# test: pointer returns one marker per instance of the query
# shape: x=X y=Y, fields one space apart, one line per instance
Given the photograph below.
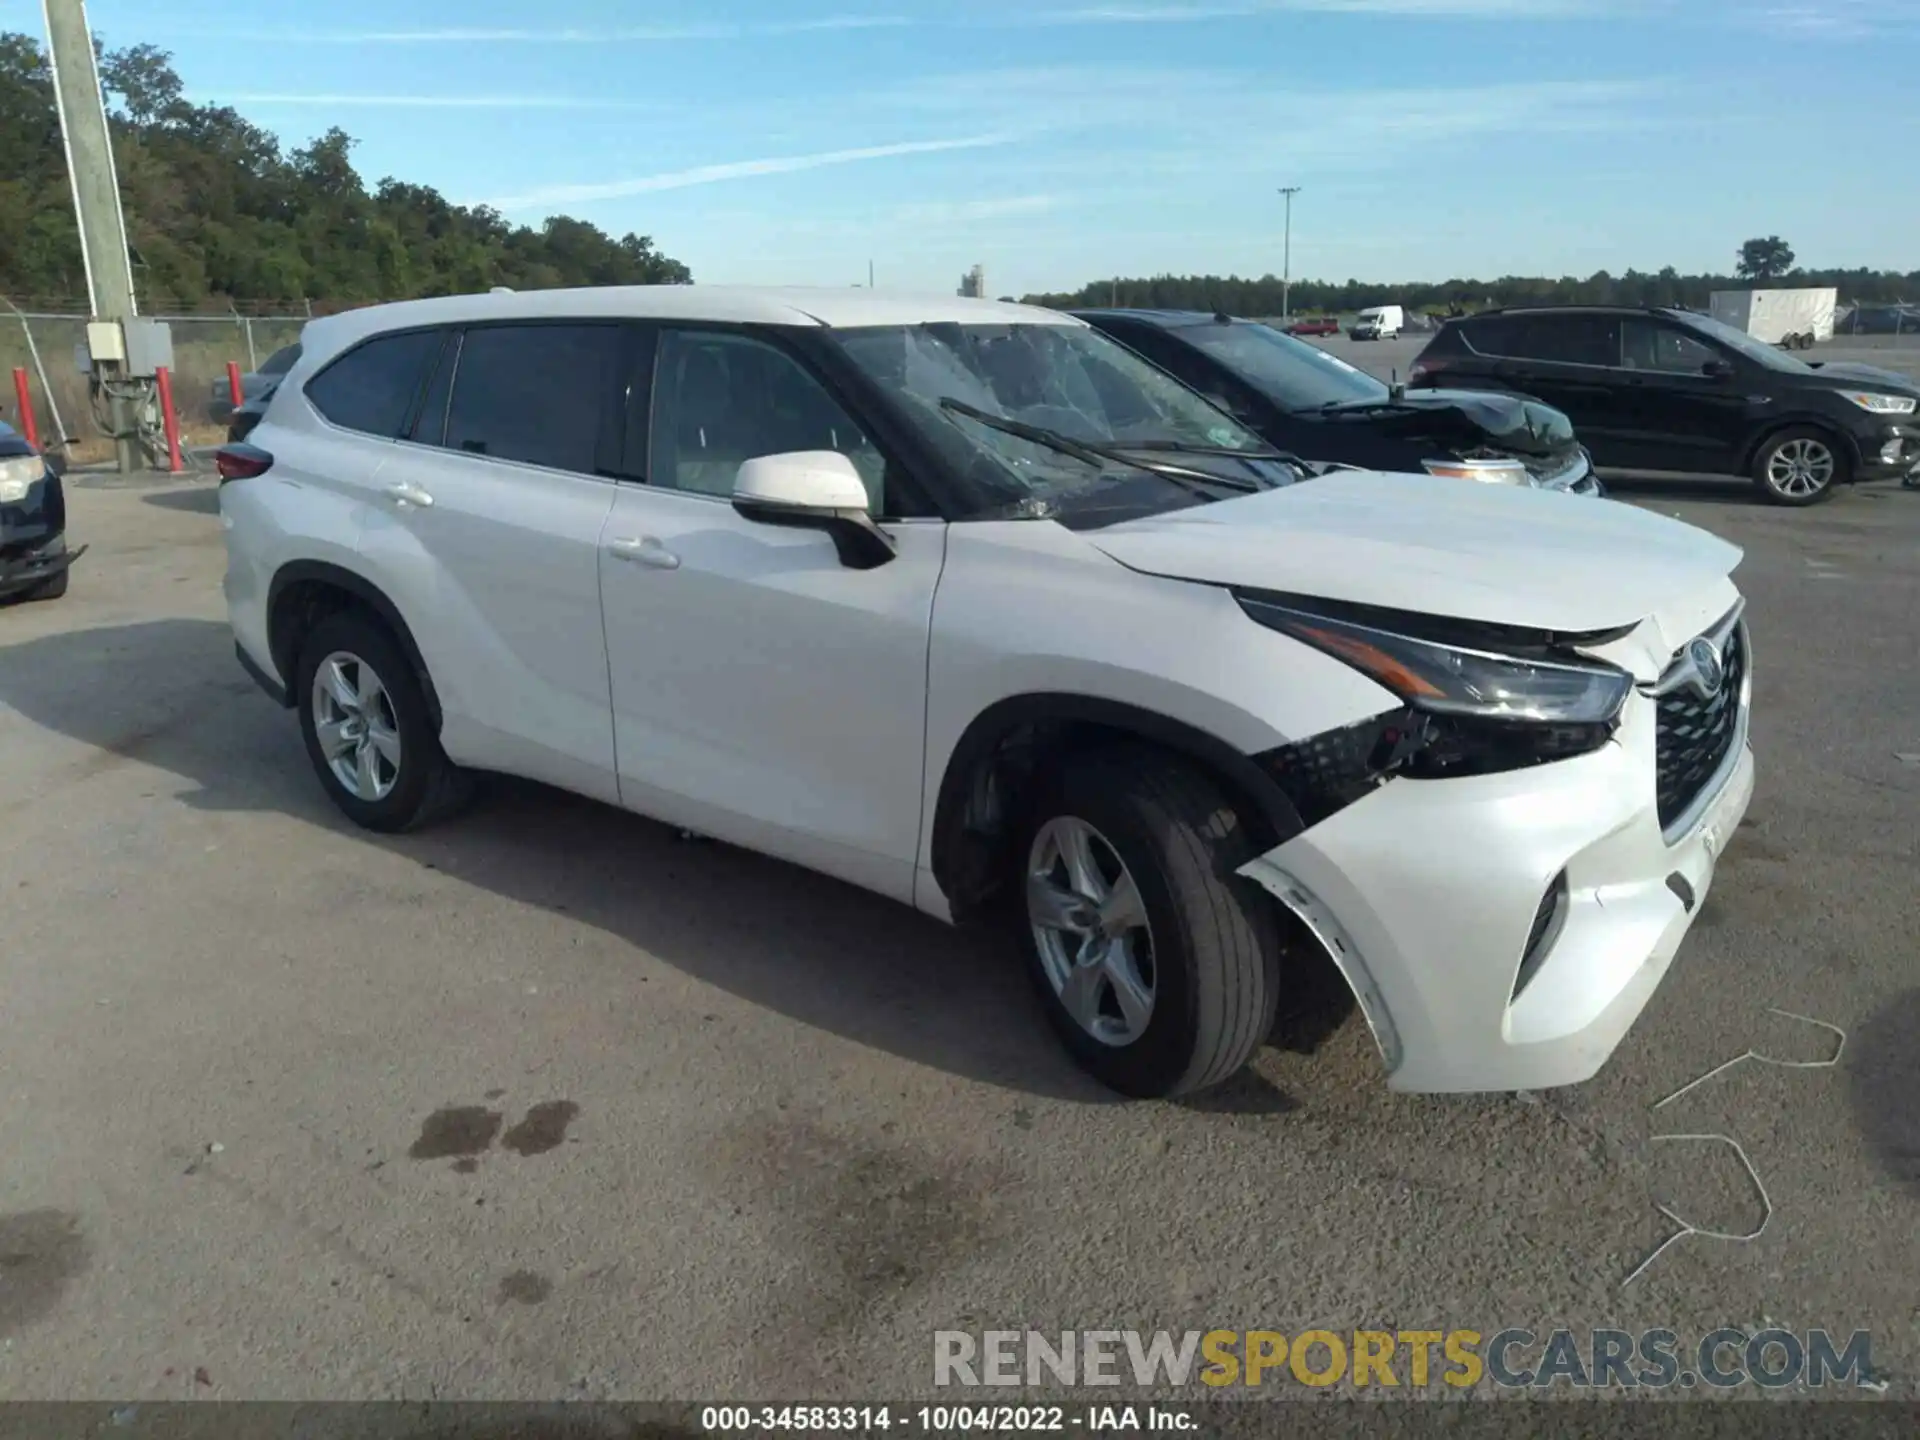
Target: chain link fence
x=48 y=341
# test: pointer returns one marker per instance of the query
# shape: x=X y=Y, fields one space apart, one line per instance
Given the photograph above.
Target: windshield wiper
x=1186 y=477
x=1184 y=447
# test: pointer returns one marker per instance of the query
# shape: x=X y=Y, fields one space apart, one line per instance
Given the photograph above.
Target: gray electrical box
x=149 y=348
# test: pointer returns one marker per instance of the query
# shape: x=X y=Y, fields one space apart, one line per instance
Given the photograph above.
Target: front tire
x=368 y=732
x=54 y=586
x=1799 y=466
x=1159 y=967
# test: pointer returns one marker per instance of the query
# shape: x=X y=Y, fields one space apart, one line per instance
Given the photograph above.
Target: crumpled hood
x=1510 y=422
x=1494 y=553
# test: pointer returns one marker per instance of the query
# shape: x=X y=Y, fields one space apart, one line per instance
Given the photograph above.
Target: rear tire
x=1799 y=466
x=1177 y=989
x=367 y=728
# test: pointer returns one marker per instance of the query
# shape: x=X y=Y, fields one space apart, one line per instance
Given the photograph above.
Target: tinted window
x=1566 y=339
x=1295 y=375
x=281 y=361
x=534 y=393
x=1646 y=345
x=372 y=387
x=724 y=399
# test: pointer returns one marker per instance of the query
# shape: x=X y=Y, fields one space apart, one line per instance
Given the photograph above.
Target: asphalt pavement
x=548 y=1103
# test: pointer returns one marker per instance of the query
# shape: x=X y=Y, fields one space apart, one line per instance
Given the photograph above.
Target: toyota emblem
x=1709 y=671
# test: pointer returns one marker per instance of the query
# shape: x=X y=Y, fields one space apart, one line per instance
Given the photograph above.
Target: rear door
x=487 y=535
x=1673 y=414
x=1567 y=361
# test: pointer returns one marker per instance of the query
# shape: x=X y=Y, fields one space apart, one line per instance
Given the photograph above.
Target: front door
x=1674 y=415
x=763 y=693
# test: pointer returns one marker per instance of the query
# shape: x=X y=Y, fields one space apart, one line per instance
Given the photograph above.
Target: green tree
x=1764 y=259
x=217 y=210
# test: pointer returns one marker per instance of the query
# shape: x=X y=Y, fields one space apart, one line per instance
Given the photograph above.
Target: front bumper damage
x=1428 y=895
x=23 y=567
x=33 y=547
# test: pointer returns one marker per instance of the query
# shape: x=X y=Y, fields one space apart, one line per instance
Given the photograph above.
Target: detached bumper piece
x=22 y=569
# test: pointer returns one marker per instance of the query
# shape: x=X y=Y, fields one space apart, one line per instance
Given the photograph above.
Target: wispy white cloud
x=736 y=170
x=571 y=35
x=1839 y=19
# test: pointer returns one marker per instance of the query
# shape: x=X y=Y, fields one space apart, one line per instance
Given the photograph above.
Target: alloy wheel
x=354 y=721
x=1800 y=467
x=1090 y=930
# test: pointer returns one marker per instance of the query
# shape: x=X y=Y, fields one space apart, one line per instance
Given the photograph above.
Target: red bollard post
x=163 y=382
x=233 y=384
x=28 y=427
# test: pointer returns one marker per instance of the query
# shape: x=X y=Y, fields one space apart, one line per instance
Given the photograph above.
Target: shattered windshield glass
x=1068 y=380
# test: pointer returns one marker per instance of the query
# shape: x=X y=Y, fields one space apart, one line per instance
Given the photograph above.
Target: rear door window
x=372 y=387
x=1560 y=339
x=538 y=394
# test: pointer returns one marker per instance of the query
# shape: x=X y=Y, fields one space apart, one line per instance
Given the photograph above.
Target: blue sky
x=1059 y=141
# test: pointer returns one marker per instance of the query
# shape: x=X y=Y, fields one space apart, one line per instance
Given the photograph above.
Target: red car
x=1320 y=325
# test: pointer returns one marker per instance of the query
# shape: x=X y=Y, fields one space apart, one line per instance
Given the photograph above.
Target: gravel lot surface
x=548 y=1103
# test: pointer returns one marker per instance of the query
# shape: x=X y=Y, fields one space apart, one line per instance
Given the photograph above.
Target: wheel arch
x=1847 y=447
x=303 y=591
x=1011 y=739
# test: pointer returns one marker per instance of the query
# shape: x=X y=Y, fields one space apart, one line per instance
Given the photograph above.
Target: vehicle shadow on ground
x=168 y=694
x=1883 y=1077
x=197 y=499
x=1702 y=489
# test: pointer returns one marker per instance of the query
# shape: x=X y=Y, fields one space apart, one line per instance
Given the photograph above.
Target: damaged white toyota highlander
x=968 y=605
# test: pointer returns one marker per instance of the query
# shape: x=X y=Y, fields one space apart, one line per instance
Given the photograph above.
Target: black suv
x=1668 y=389
x=1312 y=404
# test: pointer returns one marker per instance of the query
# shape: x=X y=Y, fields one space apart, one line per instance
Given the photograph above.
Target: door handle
x=404 y=494
x=645 y=550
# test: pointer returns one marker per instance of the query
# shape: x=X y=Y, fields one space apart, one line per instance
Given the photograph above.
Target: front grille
x=1694 y=732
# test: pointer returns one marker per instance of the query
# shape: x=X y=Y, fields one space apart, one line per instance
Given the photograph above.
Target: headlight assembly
x=19 y=474
x=1877 y=404
x=1464 y=710
x=1442 y=679
x=1485 y=471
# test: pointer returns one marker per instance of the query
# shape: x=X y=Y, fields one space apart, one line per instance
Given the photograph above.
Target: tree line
x=1249 y=296
x=217 y=210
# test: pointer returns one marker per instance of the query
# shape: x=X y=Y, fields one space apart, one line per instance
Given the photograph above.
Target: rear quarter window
x=372 y=387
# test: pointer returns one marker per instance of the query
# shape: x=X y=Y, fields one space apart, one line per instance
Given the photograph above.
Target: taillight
x=241 y=462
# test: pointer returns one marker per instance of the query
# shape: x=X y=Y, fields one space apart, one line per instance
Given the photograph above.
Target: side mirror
x=1716 y=369
x=814 y=490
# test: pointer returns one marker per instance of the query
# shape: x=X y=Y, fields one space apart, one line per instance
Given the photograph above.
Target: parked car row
x=1676 y=390
x=1303 y=400
x=973 y=606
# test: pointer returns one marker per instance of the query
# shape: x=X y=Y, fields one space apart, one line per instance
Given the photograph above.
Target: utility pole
x=1286 y=263
x=869 y=274
x=96 y=206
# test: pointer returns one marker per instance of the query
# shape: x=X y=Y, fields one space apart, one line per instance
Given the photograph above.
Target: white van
x=1378 y=322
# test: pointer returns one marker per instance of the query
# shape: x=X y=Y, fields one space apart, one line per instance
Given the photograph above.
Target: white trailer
x=1794 y=318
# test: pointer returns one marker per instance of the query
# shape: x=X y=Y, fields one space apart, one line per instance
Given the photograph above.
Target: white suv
x=966 y=604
